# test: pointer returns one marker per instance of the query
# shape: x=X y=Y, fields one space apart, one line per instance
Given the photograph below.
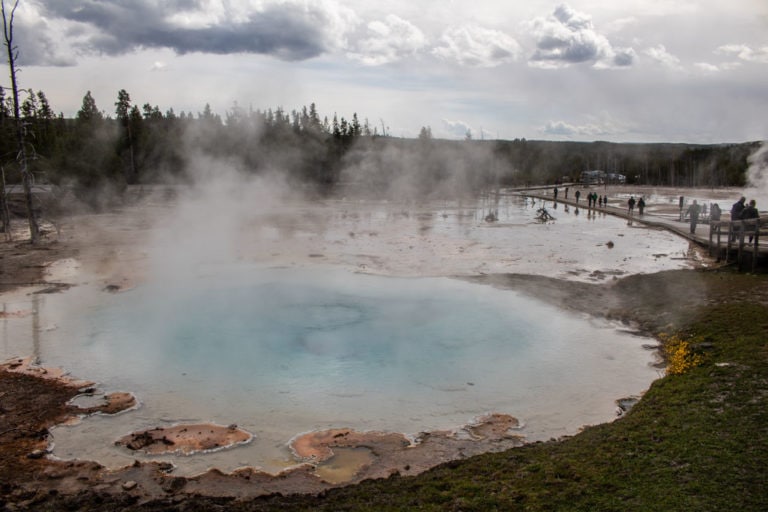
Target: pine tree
x=126 y=144
x=88 y=111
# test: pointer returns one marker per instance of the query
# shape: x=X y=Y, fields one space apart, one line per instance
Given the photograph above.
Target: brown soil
x=30 y=405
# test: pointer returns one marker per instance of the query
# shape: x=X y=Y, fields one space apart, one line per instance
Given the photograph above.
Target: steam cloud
x=757 y=174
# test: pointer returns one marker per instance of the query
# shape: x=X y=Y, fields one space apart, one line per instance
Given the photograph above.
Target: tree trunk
x=26 y=175
x=4 y=210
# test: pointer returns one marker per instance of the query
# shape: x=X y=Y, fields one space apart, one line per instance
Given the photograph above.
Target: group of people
x=743 y=211
x=631 y=205
x=593 y=200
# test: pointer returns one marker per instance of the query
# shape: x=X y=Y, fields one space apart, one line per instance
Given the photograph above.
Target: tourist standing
x=714 y=212
x=750 y=212
x=641 y=205
x=578 y=194
x=693 y=212
x=736 y=210
x=631 y=205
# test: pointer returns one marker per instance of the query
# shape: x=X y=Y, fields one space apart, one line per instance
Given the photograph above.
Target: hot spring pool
x=281 y=351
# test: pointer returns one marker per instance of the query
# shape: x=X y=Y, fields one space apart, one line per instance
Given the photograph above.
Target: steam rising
x=420 y=170
x=757 y=174
x=206 y=224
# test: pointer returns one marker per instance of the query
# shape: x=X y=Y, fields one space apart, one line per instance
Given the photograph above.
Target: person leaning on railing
x=750 y=212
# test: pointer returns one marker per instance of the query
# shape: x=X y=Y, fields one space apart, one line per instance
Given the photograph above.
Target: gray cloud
x=36 y=43
x=287 y=31
x=39 y=51
x=568 y=37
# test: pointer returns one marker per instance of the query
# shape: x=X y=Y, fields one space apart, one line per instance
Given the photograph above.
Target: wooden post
x=754 y=247
x=719 y=236
x=740 y=251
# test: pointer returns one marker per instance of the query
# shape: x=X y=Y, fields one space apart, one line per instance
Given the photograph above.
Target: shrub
x=679 y=353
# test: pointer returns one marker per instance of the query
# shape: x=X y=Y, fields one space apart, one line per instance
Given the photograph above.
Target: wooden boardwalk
x=739 y=241
x=742 y=242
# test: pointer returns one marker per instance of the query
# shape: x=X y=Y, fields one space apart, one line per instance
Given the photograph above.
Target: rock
x=625 y=404
x=129 y=485
x=37 y=454
x=175 y=484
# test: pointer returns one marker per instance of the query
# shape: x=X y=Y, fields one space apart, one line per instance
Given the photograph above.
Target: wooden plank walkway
x=741 y=242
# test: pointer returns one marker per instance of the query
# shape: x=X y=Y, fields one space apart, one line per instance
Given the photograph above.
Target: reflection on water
x=284 y=351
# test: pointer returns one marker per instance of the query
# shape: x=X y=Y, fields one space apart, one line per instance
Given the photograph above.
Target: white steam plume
x=210 y=217
x=757 y=174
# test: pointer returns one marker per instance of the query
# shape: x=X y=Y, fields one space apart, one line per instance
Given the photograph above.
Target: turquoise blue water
x=285 y=351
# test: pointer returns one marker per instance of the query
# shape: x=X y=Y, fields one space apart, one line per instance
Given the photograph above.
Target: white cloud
x=561 y=128
x=660 y=54
x=388 y=41
x=620 y=25
x=454 y=60
x=568 y=37
x=706 y=67
x=454 y=129
x=477 y=47
x=745 y=52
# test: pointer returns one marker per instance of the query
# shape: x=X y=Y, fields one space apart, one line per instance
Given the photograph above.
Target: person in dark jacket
x=736 y=210
x=693 y=212
x=715 y=213
x=750 y=212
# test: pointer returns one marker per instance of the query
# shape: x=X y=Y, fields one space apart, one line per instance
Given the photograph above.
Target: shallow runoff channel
x=346 y=315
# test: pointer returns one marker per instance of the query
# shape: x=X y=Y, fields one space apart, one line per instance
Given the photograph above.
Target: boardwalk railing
x=737 y=238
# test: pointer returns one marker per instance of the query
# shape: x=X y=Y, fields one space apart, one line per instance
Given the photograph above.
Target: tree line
x=141 y=145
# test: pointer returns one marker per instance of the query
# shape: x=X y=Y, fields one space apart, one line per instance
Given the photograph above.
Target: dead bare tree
x=26 y=175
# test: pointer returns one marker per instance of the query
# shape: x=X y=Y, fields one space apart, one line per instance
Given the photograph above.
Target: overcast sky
x=618 y=70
